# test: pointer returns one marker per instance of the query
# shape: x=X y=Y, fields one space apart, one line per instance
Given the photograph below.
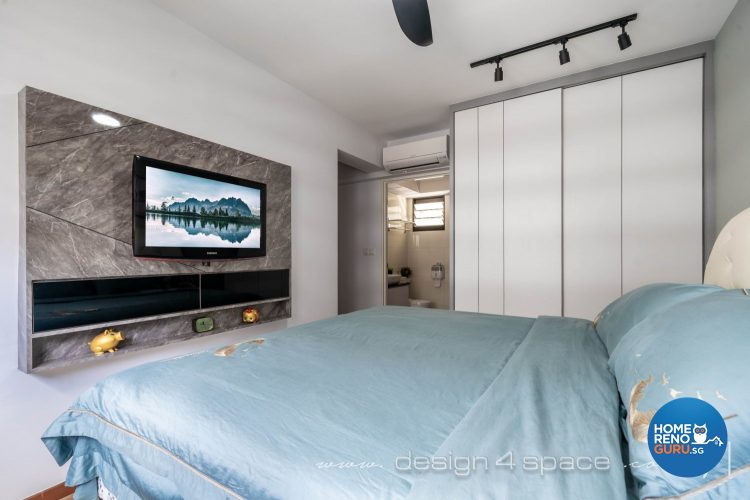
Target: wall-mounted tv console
x=149 y=310
x=78 y=272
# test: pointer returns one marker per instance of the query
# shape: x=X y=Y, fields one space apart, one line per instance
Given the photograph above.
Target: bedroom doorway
x=417 y=241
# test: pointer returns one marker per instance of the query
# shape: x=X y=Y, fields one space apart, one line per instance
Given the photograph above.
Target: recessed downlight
x=107 y=120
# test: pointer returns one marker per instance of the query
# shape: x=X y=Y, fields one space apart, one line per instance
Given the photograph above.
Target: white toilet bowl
x=420 y=303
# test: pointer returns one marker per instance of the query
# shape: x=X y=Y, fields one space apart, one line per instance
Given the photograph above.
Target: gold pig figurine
x=106 y=342
x=250 y=315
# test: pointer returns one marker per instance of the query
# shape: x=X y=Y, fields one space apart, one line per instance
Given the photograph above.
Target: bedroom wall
x=136 y=59
x=732 y=69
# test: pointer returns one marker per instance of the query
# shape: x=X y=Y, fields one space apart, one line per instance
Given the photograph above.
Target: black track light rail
x=619 y=22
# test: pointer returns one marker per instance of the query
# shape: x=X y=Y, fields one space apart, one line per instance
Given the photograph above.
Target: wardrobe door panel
x=491 y=209
x=662 y=175
x=466 y=229
x=533 y=205
x=591 y=197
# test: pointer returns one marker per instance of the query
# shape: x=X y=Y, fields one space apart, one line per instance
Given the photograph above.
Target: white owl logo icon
x=699 y=434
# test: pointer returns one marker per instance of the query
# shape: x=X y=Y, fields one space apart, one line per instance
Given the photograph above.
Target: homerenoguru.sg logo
x=687 y=437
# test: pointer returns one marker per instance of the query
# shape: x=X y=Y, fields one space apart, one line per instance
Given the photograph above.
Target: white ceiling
x=352 y=56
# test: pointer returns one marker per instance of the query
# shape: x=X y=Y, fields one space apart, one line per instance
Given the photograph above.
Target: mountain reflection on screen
x=188 y=211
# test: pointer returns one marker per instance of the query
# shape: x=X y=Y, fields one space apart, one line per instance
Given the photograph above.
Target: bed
x=414 y=403
x=326 y=410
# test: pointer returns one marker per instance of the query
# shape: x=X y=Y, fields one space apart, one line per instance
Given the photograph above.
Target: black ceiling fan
x=414 y=18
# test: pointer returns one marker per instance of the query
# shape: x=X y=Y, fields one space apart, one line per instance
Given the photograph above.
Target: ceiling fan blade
x=414 y=18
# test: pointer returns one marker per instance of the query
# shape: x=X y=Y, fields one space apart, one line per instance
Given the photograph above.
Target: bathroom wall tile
x=433 y=247
x=397 y=252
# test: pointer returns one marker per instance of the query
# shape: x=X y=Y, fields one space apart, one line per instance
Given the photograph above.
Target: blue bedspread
x=366 y=405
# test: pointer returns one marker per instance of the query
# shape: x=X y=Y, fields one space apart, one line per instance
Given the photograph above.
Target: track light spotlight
x=564 y=54
x=623 y=39
x=498 y=72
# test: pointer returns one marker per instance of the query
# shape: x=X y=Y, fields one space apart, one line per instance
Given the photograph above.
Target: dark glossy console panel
x=70 y=303
x=221 y=289
x=75 y=303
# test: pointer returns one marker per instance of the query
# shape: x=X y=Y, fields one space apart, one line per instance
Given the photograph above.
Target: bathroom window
x=429 y=214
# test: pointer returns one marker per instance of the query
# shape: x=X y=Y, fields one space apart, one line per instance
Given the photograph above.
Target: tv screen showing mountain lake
x=188 y=211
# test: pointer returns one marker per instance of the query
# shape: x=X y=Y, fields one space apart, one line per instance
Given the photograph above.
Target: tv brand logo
x=679 y=444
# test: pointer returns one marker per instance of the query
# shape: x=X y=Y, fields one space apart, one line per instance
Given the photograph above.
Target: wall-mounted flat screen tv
x=181 y=212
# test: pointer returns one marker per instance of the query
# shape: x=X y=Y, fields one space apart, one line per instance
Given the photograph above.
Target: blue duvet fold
x=547 y=425
x=330 y=409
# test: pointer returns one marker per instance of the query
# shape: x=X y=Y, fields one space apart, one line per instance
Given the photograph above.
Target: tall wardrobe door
x=591 y=197
x=662 y=158
x=491 y=209
x=533 y=205
x=466 y=229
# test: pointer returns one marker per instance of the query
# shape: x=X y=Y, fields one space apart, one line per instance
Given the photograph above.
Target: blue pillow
x=696 y=348
x=616 y=320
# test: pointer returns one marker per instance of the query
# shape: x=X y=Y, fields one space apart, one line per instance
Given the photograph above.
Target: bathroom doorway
x=417 y=240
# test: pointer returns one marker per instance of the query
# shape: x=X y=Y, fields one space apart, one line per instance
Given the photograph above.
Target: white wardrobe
x=566 y=199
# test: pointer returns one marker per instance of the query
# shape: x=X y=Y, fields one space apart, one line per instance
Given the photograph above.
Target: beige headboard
x=729 y=263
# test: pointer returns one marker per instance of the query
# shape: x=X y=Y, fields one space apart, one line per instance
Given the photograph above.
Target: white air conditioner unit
x=422 y=153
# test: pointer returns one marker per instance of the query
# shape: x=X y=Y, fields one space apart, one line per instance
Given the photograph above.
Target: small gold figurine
x=250 y=315
x=106 y=342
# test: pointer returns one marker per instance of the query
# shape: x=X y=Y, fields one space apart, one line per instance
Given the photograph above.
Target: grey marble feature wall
x=76 y=217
